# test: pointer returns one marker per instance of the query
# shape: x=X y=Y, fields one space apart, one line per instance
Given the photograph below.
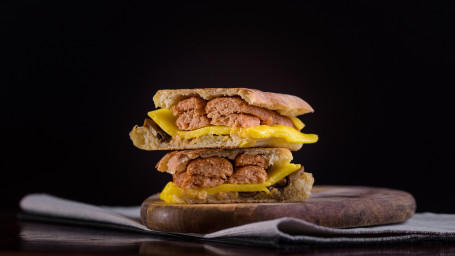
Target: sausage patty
x=204 y=173
x=196 y=104
x=210 y=167
x=194 y=113
x=191 y=114
x=249 y=174
x=184 y=180
x=246 y=159
x=222 y=107
x=213 y=171
x=236 y=120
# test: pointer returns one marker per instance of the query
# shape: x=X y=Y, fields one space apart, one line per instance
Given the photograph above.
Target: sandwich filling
x=194 y=113
x=247 y=175
x=195 y=117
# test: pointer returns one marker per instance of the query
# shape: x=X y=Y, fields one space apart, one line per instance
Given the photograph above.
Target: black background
x=78 y=76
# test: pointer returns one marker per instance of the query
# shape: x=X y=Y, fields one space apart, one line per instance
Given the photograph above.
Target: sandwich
x=244 y=175
x=223 y=118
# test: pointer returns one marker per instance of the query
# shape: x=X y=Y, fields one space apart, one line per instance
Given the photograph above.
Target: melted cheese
x=297 y=122
x=174 y=194
x=287 y=133
x=166 y=120
x=276 y=173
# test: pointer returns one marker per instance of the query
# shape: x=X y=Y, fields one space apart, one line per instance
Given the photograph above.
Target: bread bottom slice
x=145 y=139
x=296 y=191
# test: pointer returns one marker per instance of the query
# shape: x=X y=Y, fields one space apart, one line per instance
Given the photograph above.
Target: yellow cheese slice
x=166 y=120
x=278 y=131
x=276 y=173
x=297 y=122
x=174 y=194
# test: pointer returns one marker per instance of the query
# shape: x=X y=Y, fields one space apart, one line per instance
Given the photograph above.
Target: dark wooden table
x=18 y=237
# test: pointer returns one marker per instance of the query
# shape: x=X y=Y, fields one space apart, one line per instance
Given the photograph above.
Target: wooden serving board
x=330 y=206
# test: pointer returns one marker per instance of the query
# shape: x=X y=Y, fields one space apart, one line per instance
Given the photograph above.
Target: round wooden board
x=330 y=206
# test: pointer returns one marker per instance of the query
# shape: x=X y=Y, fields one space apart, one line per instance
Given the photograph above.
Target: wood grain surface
x=330 y=206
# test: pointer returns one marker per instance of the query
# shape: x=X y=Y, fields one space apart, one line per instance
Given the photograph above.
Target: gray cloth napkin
x=422 y=227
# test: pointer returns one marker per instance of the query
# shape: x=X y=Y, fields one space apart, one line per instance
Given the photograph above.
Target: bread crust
x=273 y=156
x=285 y=104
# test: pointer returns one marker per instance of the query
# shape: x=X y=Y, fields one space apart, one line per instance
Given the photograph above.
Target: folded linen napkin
x=427 y=227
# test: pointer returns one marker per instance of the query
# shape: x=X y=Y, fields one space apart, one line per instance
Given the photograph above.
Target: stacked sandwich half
x=228 y=145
